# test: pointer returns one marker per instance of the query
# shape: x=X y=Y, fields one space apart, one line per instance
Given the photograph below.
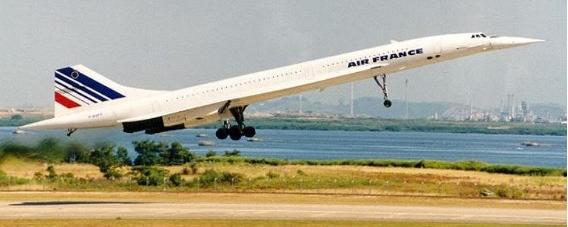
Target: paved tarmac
x=132 y=210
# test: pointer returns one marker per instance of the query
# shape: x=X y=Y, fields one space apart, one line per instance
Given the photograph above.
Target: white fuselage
x=269 y=84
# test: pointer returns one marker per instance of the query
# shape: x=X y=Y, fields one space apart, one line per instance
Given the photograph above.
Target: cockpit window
x=480 y=35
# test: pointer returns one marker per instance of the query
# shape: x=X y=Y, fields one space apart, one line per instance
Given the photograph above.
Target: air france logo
x=386 y=57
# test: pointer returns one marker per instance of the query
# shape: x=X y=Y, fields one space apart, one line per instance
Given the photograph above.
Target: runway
x=133 y=210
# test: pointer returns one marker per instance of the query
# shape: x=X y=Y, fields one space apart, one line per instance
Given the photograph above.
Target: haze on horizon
x=175 y=44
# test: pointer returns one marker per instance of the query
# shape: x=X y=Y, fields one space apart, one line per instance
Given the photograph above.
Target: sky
x=168 y=45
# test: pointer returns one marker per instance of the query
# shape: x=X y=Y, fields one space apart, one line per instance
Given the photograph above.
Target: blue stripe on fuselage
x=87 y=81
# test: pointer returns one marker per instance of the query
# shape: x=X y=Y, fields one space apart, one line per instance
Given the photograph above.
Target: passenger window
x=483 y=35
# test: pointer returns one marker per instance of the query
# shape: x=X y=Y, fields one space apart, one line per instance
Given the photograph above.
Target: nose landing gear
x=387 y=103
x=71 y=131
x=236 y=132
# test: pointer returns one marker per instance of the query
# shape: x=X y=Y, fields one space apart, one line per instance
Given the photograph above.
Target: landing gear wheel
x=383 y=87
x=235 y=132
x=249 y=131
x=222 y=133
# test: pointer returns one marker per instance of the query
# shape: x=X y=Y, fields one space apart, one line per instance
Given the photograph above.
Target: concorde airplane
x=85 y=99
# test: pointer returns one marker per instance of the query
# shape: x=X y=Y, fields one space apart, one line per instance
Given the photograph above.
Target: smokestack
x=406 y=98
x=352 y=113
x=514 y=106
x=509 y=106
x=470 y=110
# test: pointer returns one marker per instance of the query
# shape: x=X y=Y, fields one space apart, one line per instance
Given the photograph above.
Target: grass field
x=261 y=183
x=252 y=223
x=342 y=180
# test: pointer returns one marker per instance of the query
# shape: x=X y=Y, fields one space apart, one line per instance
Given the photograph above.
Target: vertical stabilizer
x=78 y=88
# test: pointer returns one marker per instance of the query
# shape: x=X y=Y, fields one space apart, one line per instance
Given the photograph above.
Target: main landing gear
x=383 y=87
x=235 y=131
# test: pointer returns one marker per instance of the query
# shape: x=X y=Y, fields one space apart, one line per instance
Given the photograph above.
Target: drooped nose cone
x=502 y=42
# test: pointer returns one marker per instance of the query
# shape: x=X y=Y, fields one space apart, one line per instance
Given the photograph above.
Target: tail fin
x=79 y=88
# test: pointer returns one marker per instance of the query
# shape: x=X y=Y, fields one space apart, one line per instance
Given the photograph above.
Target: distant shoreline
x=396 y=125
x=375 y=124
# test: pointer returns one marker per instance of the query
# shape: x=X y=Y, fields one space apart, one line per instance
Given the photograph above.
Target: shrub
x=235 y=152
x=393 y=128
x=210 y=154
x=67 y=175
x=185 y=171
x=210 y=178
x=231 y=178
x=6 y=180
x=52 y=175
x=176 y=179
x=150 y=176
x=112 y=174
x=469 y=165
x=272 y=175
x=506 y=192
x=193 y=166
x=16 y=117
x=272 y=162
x=38 y=176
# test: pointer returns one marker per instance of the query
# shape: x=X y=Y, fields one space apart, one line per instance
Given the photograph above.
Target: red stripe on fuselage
x=65 y=101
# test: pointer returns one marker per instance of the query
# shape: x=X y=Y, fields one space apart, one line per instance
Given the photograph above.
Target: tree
x=50 y=149
x=123 y=158
x=149 y=152
x=77 y=152
x=177 y=155
x=104 y=158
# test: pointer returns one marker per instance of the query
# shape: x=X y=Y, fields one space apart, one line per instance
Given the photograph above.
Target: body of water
x=325 y=145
